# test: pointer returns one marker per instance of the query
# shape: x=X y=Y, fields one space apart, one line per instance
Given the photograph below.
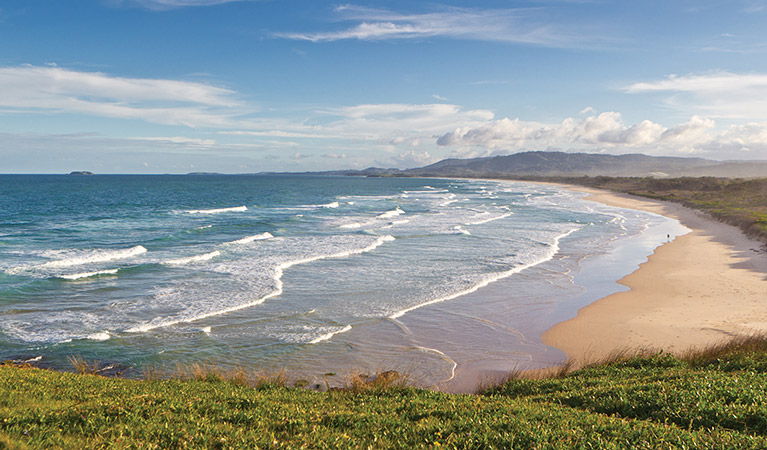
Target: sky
x=244 y=86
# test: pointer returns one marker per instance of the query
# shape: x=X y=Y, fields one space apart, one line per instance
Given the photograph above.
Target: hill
x=578 y=164
x=713 y=399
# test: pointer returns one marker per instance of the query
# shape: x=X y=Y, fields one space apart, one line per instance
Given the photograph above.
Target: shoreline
x=700 y=289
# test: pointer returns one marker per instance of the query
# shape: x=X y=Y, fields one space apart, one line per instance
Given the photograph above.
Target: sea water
x=311 y=274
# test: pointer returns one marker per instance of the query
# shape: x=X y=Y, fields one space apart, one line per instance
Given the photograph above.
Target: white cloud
x=161 y=5
x=180 y=140
x=439 y=97
x=170 y=102
x=720 y=94
x=414 y=159
x=299 y=156
x=335 y=156
x=608 y=132
x=520 y=26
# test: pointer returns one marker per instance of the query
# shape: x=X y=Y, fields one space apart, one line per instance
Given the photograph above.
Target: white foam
x=330 y=205
x=490 y=219
x=218 y=210
x=278 y=273
x=102 y=336
x=95 y=256
x=255 y=237
x=77 y=276
x=329 y=335
x=389 y=214
x=192 y=259
x=205 y=330
x=444 y=357
x=460 y=230
x=553 y=250
x=351 y=225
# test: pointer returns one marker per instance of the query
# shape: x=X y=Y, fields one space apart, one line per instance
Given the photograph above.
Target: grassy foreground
x=710 y=400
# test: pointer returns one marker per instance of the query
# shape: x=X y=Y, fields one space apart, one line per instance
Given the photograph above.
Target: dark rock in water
x=81 y=172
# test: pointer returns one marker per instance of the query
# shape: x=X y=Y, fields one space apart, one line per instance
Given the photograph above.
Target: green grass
x=713 y=399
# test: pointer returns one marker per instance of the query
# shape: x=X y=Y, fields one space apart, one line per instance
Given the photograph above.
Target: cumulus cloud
x=520 y=26
x=720 y=94
x=171 y=102
x=414 y=159
x=299 y=156
x=607 y=131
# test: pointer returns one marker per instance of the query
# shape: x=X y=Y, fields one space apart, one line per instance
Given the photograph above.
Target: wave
x=77 y=276
x=460 y=230
x=249 y=239
x=389 y=214
x=95 y=256
x=101 y=336
x=351 y=225
x=327 y=336
x=490 y=219
x=278 y=273
x=217 y=210
x=330 y=205
x=191 y=259
x=553 y=250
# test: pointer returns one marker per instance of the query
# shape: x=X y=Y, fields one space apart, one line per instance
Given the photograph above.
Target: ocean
x=313 y=275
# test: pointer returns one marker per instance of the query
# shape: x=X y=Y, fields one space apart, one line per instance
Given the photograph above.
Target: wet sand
x=700 y=289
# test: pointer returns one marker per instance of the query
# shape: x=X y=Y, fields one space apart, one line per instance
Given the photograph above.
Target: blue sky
x=233 y=86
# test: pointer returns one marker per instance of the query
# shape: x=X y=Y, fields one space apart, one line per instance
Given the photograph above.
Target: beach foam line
x=553 y=250
x=217 y=210
x=279 y=272
x=96 y=256
x=77 y=276
x=192 y=259
x=480 y=222
x=328 y=336
x=249 y=239
x=443 y=356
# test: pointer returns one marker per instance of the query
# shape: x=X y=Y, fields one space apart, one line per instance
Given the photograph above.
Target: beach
x=700 y=289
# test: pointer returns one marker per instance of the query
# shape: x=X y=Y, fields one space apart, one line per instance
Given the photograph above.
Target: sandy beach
x=702 y=288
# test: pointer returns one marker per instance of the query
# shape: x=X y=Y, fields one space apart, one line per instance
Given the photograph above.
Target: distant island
x=81 y=172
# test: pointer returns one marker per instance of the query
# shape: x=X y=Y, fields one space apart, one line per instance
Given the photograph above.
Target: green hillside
x=715 y=400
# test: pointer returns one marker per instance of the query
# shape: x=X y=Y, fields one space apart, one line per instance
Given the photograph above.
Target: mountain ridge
x=545 y=163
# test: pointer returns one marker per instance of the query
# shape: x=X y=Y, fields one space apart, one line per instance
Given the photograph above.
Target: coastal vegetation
x=709 y=399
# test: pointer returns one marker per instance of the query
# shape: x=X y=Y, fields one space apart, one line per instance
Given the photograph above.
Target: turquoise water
x=307 y=273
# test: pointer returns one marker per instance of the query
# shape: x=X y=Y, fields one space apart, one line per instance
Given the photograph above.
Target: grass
x=709 y=399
